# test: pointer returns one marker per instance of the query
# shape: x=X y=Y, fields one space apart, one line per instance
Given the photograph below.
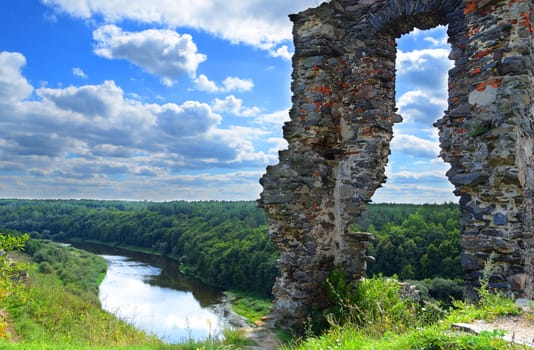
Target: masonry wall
x=341 y=126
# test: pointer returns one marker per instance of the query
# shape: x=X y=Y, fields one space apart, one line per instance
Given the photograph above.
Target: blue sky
x=185 y=99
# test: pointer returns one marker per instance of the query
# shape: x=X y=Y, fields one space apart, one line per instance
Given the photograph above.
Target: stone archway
x=341 y=126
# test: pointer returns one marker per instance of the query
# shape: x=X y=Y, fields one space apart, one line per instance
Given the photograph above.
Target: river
x=149 y=292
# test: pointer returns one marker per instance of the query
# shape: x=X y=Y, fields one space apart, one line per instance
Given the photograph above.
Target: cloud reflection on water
x=172 y=315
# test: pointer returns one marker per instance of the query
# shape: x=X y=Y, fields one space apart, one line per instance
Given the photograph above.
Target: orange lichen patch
x=475 y=71
x=366 y=131
x=462 y=131
x=455 y=101
x=324 y=90
x=470 y=6
x=320 y=104
x=342 y=61
x=371 y=71
x=482 y=53
x=352 y=153
x=526 y=22
x=482 y=86
x=456 y=152
x=473 y=31
x=345 y=85
x=511 y=2
x=494 y=83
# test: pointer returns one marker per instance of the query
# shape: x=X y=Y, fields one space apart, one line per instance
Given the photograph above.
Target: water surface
x=150 y=293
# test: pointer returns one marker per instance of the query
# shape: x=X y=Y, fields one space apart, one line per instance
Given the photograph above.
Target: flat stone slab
x=518 y=329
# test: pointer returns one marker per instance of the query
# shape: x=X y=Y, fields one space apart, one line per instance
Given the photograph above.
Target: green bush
x=11 y=273
x=46 y=268
x=445 y=290
x=375 y=304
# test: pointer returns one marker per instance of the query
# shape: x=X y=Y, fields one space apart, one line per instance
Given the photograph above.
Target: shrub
x=375 y=304
x=445 y=290
x=46 y=268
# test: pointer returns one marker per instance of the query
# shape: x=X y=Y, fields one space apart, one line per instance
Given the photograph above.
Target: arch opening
x=415 y=173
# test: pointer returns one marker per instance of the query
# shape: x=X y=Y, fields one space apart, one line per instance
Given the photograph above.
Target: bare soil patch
x=518 y=329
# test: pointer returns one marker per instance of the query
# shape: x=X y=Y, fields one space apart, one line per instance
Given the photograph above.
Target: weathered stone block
x=500 y=219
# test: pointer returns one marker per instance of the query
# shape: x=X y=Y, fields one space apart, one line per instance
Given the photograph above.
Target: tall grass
x=251 y=306
x=50 y=313
x=375 y=316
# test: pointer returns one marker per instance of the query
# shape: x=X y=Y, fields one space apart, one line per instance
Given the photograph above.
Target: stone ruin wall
x=341 y=127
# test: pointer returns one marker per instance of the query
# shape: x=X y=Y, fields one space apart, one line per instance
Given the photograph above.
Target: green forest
x=226 y=244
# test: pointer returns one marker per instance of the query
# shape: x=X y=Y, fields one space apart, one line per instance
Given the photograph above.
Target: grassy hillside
x=56 y=306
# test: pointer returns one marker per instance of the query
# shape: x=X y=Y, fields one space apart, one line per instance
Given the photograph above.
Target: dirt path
x=264 y=338
x=518 y=329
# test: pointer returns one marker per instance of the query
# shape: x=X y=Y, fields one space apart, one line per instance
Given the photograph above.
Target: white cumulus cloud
x=163 y=53
x=13 y=86
x=277 y=118
x=203 y=83
x=261 y=23
x=237 y=84
x=426 y=69
x=78 y=72
x=415 y=146
x=282 y=51
x=234 y=105
x=190 y=119
x=424 y=107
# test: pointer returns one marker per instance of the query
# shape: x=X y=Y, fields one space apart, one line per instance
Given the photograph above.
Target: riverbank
x=47 y=311
x=57 y=304
x=243 y=309
x=131 y=248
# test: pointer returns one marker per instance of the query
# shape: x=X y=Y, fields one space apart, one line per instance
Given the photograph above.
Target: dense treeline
x=225 y=243
x=414 y=241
